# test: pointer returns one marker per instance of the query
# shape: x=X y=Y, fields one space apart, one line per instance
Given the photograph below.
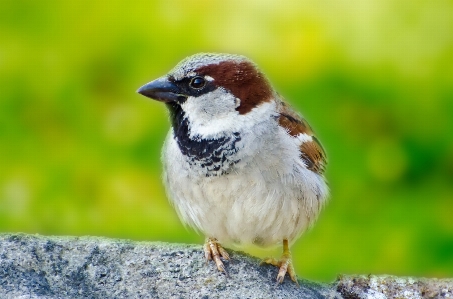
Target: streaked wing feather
x=311 y=152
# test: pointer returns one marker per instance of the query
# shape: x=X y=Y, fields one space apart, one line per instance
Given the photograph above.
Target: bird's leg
x=213 y=251
x=285 y=264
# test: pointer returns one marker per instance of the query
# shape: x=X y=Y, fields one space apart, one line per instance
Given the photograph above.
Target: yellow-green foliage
x=79 y=149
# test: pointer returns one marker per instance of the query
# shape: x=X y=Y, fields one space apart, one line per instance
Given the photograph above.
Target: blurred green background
x=80 y=150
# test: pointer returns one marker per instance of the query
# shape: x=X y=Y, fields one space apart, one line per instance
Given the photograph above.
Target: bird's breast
x=261 y=199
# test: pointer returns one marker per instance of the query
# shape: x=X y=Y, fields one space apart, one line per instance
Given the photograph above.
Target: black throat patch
x=214 y=156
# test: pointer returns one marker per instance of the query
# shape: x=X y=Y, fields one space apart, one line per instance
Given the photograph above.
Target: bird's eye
x=197 y=82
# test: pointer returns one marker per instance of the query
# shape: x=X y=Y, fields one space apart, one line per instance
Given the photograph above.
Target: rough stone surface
x=382 y=287
x=68 y=267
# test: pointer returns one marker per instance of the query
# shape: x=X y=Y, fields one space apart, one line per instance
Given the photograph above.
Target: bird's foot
x=213 y=251
x=285 y=264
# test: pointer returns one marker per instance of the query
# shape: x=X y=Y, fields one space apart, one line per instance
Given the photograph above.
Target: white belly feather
x=267 y=197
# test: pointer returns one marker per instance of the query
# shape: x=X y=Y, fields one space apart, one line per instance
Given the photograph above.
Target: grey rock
x=34 y=266
x=387 y=286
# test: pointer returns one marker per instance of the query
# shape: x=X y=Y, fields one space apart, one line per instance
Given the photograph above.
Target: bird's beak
x=162 y=90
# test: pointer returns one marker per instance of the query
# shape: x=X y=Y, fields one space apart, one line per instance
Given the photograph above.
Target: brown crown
x=243 y=80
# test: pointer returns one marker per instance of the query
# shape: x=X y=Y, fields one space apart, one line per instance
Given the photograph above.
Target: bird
x=240 y=165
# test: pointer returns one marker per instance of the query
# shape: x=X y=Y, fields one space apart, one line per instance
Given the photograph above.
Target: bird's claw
x=285 y=265
x=214 y=251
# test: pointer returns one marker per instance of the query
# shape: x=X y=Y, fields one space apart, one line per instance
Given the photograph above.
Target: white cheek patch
x=212 y=114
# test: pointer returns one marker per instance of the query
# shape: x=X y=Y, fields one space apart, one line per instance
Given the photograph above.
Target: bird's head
x=212 y=90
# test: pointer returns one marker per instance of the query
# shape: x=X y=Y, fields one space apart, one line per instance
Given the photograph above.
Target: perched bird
x=240 y=166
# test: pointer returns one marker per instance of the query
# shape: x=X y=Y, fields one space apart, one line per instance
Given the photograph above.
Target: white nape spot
x=304 y=138
x=209 y=78
x=238 y=102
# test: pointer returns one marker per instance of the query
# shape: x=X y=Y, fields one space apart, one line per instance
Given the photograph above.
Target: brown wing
x=311 y=152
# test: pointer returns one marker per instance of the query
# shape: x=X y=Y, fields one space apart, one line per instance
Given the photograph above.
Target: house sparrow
x=240 y=166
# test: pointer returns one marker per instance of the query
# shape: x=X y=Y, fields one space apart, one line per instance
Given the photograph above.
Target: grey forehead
x=191 y=63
